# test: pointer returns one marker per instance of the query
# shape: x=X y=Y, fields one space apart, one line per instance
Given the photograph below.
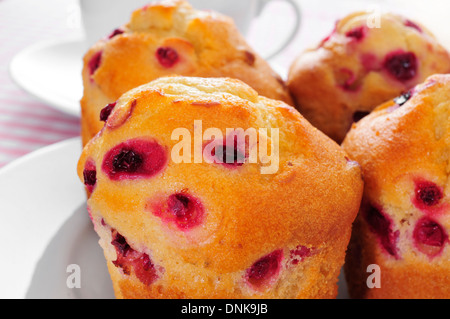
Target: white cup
x=100 y=17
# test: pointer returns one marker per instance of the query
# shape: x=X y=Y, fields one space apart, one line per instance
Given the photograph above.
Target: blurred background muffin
x=165 y=38
x=361 y=65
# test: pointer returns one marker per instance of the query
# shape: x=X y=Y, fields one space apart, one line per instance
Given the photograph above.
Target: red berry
x=106 y=111
x=299 y=253
x=133 y=159
x=413 y=25
x=182 y=209
x=128 y=259
x=115 y=33
x=381 y=225
x=229 y=153
x=357 y=33
x=167 y=56
x=94 y=62
x=90 y=175
x=122 y=250
x=427 y=194
x=401 y=65
x=429 y=236
x=127 y=161
x=144 y=269
x=265 y=269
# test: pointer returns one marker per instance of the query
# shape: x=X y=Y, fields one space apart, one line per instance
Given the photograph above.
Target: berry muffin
x=175 y=225
x=360 y=66
x=404 y=221
x=169 y=38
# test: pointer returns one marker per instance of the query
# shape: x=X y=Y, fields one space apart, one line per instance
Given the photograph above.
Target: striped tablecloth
x=27 y=124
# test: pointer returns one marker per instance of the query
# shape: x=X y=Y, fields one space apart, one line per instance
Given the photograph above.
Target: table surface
x=27 y=124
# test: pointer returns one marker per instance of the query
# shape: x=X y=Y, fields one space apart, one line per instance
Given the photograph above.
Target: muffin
x=173 y=225
x=360 y=66
x=169 y=38
x=404 y=221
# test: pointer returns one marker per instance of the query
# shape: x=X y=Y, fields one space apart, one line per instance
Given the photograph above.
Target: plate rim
x=12 y=72
x=20 y=288
x=38 y=152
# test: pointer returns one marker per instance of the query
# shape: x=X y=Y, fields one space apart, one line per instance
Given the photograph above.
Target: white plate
x=45 y=228
x=51 y=72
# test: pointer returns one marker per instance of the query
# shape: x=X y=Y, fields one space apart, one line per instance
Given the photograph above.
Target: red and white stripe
x=25 y=123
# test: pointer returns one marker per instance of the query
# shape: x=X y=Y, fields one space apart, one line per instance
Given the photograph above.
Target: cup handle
x=294 y=5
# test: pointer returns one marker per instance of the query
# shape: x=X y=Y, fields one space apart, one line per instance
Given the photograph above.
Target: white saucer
x=45 y=228
x=51 y=72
